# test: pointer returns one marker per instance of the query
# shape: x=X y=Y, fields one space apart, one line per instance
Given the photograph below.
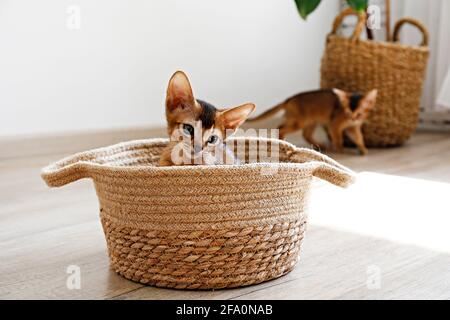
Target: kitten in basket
x=341 y=113
x=197 y=129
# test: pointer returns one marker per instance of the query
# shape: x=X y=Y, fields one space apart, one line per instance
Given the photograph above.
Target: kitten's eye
x=188 y=129
x=213 y=139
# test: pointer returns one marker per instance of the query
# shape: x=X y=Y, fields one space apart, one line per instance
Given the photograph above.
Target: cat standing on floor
x=339 y=111
x=198 y=130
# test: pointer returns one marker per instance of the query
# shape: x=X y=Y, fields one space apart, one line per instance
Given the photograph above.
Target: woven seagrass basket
x=396 y=70
x=200 y=227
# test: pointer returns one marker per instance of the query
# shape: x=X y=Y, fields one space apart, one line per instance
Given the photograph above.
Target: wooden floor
x=385 y=237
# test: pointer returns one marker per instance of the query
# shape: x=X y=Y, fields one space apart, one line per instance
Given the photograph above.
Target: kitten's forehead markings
x=208 y=114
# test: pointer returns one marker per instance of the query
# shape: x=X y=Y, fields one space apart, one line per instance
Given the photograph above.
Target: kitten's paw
x=363 y=152
x=164 y=163
x=321 y=147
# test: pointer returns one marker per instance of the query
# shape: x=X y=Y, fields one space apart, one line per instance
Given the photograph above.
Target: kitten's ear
x=372 y=96
x=370 y=99
x=179 y=93
x=343 y=98
x=341 y=94
x=234 y=117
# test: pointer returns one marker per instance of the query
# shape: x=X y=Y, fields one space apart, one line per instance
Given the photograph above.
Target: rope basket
x=396 y=70
x=201 y=227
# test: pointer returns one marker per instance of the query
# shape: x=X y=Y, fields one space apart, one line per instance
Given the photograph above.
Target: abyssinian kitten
x=338 y=111
x=197 y=129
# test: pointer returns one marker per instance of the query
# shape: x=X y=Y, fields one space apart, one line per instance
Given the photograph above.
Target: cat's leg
x=308 y=135
x=336 y=133
x=355 y=134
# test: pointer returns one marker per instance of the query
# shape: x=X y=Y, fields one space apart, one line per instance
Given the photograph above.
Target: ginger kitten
x=338 y=111
x=197 y=129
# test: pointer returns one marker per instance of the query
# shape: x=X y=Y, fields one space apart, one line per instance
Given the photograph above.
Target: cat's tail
x=269 y=113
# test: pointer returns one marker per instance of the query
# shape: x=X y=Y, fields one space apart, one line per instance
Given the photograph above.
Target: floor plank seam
x=125 y=293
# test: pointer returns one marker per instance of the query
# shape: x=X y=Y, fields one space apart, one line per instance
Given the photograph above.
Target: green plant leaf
x=305 y=7
x=358 y=5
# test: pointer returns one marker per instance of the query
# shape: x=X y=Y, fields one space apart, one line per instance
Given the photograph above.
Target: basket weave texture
x=396 y=70
x=200 y=227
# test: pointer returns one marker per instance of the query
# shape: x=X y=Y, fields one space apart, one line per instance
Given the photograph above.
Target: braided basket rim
x=378 y=43
x=49 y=172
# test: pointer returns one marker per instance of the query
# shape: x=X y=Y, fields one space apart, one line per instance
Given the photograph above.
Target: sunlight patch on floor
x=403 y=210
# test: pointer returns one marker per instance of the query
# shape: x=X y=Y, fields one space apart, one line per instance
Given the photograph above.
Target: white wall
x=113 y=71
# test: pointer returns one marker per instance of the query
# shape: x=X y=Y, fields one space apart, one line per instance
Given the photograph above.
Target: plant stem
x=388 y=19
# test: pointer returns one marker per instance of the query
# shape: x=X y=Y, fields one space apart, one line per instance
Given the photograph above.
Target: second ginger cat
x=338 y=111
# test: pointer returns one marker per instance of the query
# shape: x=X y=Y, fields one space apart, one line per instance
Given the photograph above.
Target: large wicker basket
x=396 y=70
x=200 y=227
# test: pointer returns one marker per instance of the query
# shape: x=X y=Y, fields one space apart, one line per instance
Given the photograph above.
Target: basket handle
x=324 y=167
x=67 y=170
x=419 y=25
x=360 y=26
